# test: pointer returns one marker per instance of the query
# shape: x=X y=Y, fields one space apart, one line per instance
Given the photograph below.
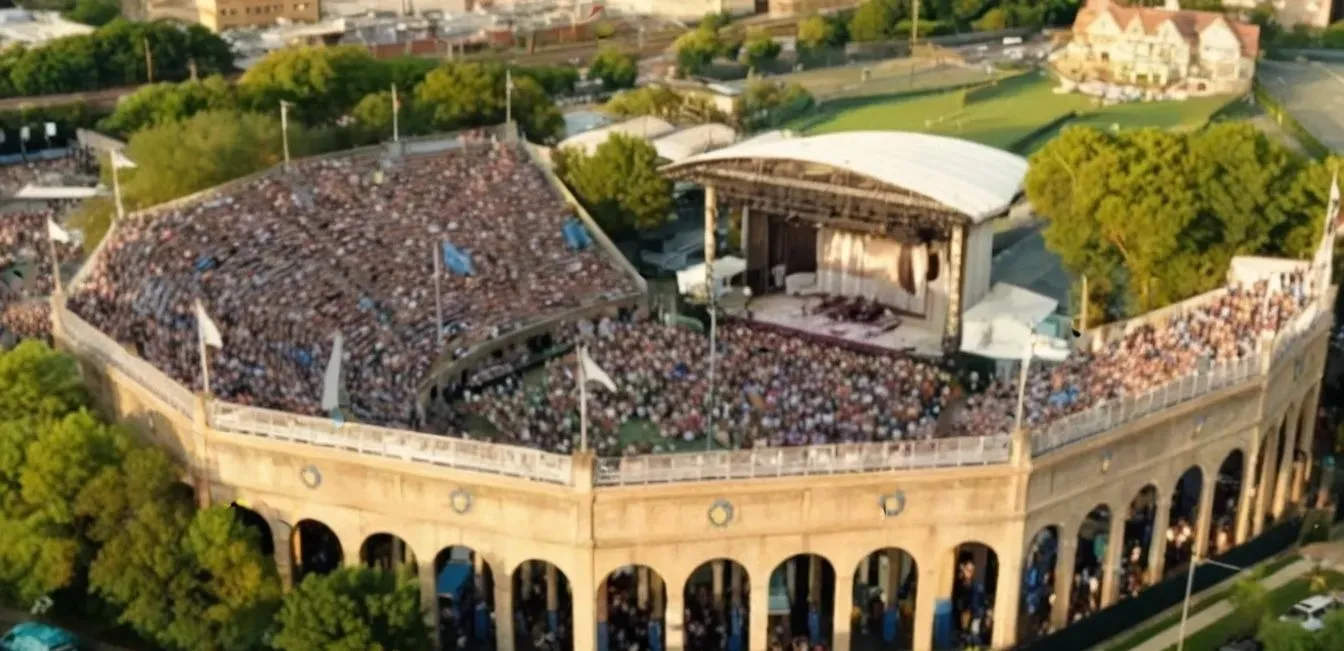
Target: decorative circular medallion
x=460 y=501
x=721 y=513
x=892 y=504
x=311 y=476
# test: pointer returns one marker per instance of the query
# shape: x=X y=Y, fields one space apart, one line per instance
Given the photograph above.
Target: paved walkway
x=1205 y=618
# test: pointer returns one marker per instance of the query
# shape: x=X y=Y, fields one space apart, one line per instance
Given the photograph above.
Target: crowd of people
x=25 y=273
x=78 y=162
x=345 y=245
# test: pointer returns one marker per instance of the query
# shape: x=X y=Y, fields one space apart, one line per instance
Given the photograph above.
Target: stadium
x=865 y=471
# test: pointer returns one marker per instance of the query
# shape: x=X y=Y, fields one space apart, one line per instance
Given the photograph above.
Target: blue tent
x=35 y=636
x=576 y=236
x=452 y=578
x=457 y=261
x=942 y=624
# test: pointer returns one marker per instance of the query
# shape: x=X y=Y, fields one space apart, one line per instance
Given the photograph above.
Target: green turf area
x=1198 y=603
x=1019 y=106
x=1280 y=600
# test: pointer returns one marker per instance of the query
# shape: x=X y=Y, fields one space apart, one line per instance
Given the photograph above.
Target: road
x=1313 y=93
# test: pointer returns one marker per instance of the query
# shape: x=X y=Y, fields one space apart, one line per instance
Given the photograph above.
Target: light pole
x=1189 y=586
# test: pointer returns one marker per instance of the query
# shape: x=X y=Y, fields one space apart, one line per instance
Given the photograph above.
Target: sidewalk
x=1205 y=618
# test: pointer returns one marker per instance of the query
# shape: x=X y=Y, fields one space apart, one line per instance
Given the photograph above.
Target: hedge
x=1018 y=145
x=987 y=89
x=1315 y=147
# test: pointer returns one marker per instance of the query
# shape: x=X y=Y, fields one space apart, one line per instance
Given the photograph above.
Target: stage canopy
x=42 y=193
x=1004 y=322
x=692 y=279
x=864 y=180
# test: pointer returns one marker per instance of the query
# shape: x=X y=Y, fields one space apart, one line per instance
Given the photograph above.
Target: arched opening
x=1182 y=521
x=253 y=520
x=885 y=584
x=718 y=615
x=316 y=549
x=388 y=553
x=1271 y=482
x=1226 y=494
x=632 y=606
x=802 y=601
x=1089 y=562
x=542 y=608
x=1132 y=577
x=183 y=491
x=1302 y=470
x=466 y=599
x=966 y=621
x=1038 y=585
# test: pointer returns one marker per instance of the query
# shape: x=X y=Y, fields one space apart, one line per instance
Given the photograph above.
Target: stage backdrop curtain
x=852 y=264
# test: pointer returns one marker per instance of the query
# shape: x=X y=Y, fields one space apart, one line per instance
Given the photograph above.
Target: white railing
x=1299 y=329
x=796 y=461
x=1109 y=415
x=90 y=342
x=445 y=451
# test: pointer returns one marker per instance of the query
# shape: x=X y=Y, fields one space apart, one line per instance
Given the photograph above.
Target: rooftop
x=23 y=27
x=1190 y=24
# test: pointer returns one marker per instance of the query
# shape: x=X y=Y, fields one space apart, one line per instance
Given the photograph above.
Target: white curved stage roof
x=974 y=179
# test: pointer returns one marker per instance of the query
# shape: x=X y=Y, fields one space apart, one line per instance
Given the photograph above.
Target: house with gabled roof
x=1200 y=52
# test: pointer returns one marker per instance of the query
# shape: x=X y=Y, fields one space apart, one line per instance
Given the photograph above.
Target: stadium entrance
x=839 y=243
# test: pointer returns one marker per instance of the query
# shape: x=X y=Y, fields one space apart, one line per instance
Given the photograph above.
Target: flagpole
x=55 y=262
x=583 y=404
x=438 y=298
x=205 y=359
x=284 y=129
x=116 y=187
x=396 y=109
x=1022 y=384
x=508 y=96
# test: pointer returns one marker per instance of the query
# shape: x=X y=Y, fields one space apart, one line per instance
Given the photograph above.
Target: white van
x=1310 y=611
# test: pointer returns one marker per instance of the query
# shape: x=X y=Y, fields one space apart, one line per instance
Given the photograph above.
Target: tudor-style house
x=1199 y=52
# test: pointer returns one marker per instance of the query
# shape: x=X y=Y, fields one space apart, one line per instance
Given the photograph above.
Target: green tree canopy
x=874 y=20
x=464 y=95
x=322 y=83
x=663 y=102
x=157 y=104
x=373 y=117
x=618 y=184
x=760 y=49
x=1224 y=191
x=615 y=68
x=352 y=609
x=816 y=32
x=695 y=50
x=94 y=12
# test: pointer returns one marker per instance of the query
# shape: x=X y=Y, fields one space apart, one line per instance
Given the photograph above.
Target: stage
x=781 y=311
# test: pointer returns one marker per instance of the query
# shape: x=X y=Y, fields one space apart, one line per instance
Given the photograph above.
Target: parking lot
x=1313 y=93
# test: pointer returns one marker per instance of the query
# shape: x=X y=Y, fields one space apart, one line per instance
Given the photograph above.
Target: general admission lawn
x=1003 y=117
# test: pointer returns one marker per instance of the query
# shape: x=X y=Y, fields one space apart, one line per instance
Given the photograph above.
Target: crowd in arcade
x=25 y=272
x=350 y=246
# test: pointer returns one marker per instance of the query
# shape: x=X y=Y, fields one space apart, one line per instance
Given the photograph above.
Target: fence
x=1112 y=414
x=802 y=461
x=89 y=342
x=445 y=451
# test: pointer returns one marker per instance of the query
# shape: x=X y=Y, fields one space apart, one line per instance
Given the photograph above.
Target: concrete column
x=1007 y=597
x=1204 y=516
x=286 y=555
x=735 y=583
x=931 y=588
x=552 y=592
x=1115 y=546
x=398 y=553
x=893 y=576
x=1246 y=500
x=840 y=619
x=758 y=619
x=525 y=578
x=716 y=570
x=478 y=571
x=883 y=576
x=864 y=571
x=1306 y=441
x=658 y=595
x=1157 y=549
x=1064 y=568
x=674 y=615
x=600 y=616
x=791 y=578
x=1267 y=480
x=642 y=586
x=814 y=579
x=429 y=599
x=504 y=614
x=1285 y=472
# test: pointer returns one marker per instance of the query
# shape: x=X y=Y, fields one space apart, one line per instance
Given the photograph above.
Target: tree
x=769 y=103
x=995 y=19
x=465 y=95
x=157 y=104
x=615 y=68
x=352 y=609
x=37 y=382
x=873 y=21
x=555 y=80
x=1227 y=190
x=695 y=50
x=1288 y=636
x=94 y=12
x=760 y=49
x=816 y=32
x=373 y=117
x=1249 y=598
x=322 y=83
x=618 y=184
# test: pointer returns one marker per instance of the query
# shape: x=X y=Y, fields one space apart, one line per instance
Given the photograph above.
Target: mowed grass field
x=1011 y=112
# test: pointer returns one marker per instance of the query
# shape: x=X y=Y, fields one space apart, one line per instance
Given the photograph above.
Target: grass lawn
x=1020 y=106
x=1280 y=601
x=1199 y=603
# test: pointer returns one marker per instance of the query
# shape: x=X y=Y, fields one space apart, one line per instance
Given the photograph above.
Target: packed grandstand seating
x=25 y=272
x=346 y=244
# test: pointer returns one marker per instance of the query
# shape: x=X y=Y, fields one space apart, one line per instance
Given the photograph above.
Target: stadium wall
x=371 y=481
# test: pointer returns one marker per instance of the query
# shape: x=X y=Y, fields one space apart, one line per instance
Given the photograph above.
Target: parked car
x=1310 y=611
x=35 y=636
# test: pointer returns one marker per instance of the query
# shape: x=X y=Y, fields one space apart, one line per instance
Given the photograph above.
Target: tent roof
x=39 y=193
x=974 y=179
x=690 y=278
x=645 y=127
x=997 y=326
x=680 y=145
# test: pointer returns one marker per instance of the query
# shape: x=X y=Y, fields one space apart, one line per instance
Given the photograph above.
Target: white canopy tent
x=39 y=193
x=1003 y=324
x=691 y=280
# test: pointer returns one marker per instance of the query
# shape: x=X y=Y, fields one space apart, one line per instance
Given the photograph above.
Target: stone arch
x=465 y=587
x=316 y=549
x=543 y=606
x=886 y=587
x=802 y=591
x=389 y=552
x=1140 y=519
x=1182 y=520
x=626 y=597
x=1039 y=565
x=718 y=610
x=964 y=621
x=1091 y=547
x=1226 y=502
x=254 y=521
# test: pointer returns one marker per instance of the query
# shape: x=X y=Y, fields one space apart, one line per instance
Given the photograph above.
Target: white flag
x=121 y=162
x=57 y=233
x=331 y=380
x=592 y=372
x=209 y=331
